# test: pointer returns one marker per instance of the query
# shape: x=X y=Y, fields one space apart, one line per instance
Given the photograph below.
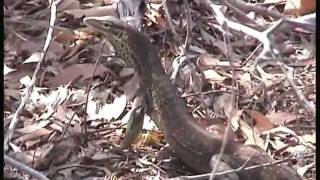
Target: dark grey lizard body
x=193 y=144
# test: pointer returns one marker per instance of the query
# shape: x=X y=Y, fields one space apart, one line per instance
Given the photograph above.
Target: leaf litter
x=269 y=114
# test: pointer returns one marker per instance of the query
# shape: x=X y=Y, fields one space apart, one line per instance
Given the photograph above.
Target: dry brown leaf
x=300 y=7
x=308 y=138
x=84 y=34
x=148 y=124
x=77 y=97
x=33 y=127
x=156 y=18
x=282 y=118
x=57 y=154
x=235 y=118
x=194 y=81
x=64 y=114
x=35 y=57
x=281 y=130
x=213 y=76
x=298 y=149
x=73 y=54
x=68 y=4
x=206 y=61
x=24 y=157
x=77 y=71
x=61 y=112
x=286 y=49
x=107 y=1
x=55 y=50
x=198 y=49
x=261 y=121
x=302 y=170
x=270 y=79
x=246 y=81
x=7 y=70
x=104 y=156
x=115 y=137
x=214 y=42
x=274 y=1
x=57 y=127
x=96 y=11
x=11 y=93
x=12 y=79
x=223 y=105
x=189 y=78
x=31 y=143
x=18 y=45
x=15 y=148
x=127 y=117
x=303 y=62
x=251 y=134
x=25 y=81
x=47 y=114
x=278 y=144
x=107 y=111
x=65 y=37
x=150 y=138
x=115 y=109
x=34 y=46
x=33 y=135
x=283 y=140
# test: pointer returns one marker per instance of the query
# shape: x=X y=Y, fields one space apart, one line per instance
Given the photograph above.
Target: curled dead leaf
x=107 y=111
x=78 y=71
x=282 y=118
x=33 y=127
x=96 y=11
x=213 y=76
x=261 y=121
x=33 y=135
x=150 y=138
x=299 y=7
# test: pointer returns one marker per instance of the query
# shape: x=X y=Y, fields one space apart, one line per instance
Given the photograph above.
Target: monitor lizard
x=189 y=141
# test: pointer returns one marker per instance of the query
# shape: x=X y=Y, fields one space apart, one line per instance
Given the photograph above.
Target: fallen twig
x=84 y=123
x=29 y=89
x=22 y=167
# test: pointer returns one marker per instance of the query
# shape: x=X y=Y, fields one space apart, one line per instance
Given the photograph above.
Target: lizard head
x=107 y=24
x=115 y=31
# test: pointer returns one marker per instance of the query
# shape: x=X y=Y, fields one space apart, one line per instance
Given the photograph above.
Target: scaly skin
x=193 y=144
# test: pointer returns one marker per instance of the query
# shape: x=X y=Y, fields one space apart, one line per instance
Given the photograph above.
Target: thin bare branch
x=29 y=89
x=22 y=167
